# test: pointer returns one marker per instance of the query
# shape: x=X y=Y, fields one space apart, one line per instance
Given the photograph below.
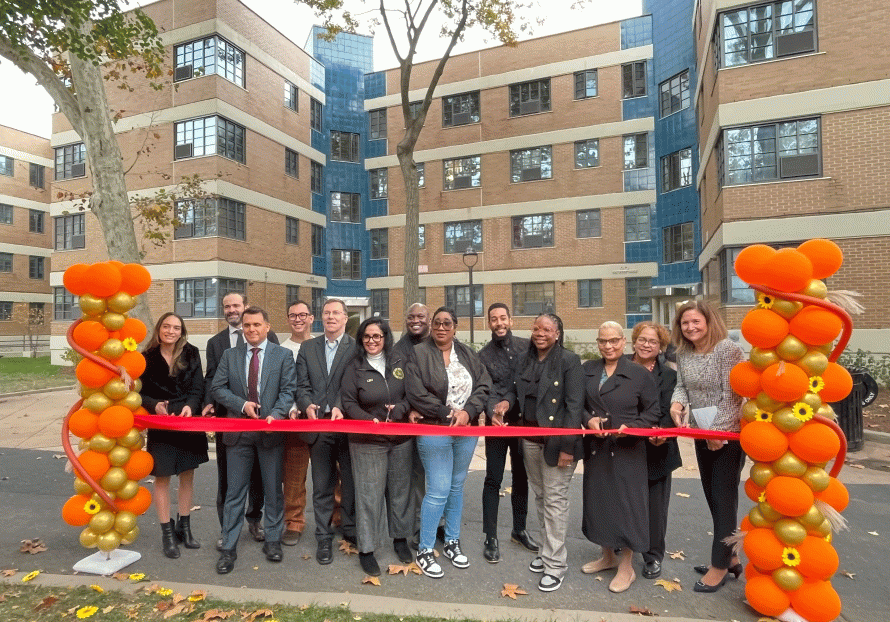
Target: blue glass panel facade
x=637 y=31
x=375 y=84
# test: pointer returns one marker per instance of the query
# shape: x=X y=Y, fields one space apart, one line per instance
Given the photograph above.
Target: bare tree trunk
x=410 y=287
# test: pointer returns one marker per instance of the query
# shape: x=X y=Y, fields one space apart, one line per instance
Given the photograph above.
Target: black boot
x=184 y=533
x=168 y=540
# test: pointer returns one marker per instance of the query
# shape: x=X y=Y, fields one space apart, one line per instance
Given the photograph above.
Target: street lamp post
x=470 y=258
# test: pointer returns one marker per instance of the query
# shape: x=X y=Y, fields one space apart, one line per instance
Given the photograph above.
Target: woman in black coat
x=373 y=389
x=173 y=384
x=618 y=395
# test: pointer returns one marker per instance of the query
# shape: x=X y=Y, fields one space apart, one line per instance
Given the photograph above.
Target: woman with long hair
x=173 y=384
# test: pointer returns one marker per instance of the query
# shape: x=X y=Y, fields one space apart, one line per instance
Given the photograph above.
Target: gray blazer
x=276 y=390
x=314 y=384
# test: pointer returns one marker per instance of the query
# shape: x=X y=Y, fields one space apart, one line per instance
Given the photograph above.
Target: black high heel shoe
x=704 y=587
x=736 y=570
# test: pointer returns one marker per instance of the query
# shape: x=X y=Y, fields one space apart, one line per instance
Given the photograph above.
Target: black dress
x=174 y=452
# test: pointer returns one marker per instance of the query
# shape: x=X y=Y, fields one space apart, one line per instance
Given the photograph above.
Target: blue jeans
x=446 y=460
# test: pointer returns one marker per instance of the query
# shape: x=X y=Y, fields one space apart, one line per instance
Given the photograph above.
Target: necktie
x=240 y=340
x=253 y=377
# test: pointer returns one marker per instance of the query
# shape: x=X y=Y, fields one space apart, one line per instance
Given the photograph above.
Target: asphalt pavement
x=34 y=486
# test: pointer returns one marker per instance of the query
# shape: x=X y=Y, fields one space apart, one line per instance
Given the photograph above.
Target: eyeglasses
x=614 y=341
x=367 y=337
x=442 y=323
x=297 y=316
x=655 y=343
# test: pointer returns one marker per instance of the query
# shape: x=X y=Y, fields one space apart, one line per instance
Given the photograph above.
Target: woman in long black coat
x=618 y=395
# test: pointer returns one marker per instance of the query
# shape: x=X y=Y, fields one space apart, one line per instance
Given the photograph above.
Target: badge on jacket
x=398 y=374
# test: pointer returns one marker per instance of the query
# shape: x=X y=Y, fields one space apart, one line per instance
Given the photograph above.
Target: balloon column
x=788 y=429
x=108 y=497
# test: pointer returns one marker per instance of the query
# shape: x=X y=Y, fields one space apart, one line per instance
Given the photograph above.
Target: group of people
x=415 y=484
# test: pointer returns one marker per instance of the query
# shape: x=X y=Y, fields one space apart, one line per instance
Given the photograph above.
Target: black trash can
x=849 y=412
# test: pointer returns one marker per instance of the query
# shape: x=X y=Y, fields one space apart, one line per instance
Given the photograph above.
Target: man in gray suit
x=254 y=380
x=320 y=365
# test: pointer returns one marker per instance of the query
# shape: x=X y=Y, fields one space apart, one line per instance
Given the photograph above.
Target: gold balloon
x=109 y=541
x=88 y=538
x=790 y=465
x=785 y=420
x=101 y=443
x=763 y=358
x=130 y=538
x=114 y=478
x=757 y=518
x=815 y=288
x=81 y=487
x=131 y=401
x=790 y=531
x=765 y=402
x=788 y=579
x=91 y=305
x=137 y=385
x=118 y=456
x=762 y=473
x=791 y=348
x=825 y=528
x=827 y=411
x=812 y=518
x=121 y=302
x=131 y=439
x=115 y=389
x=816 y=478
x=112 y=349
x=786 y=308
x=113 y=321
x=813 y=400
x=128 y=490
x=124 y=522
x=813 y=362
x=768 y=513
x=97 y=402
x=824 y=348
x=101 y=501
x=84 y=444
x=85 y=392
x=749 y=411
x=102 y=521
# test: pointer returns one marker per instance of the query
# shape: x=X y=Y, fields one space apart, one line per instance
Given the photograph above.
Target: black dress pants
x=255 y=494
x=721 y=472
x=496 y=458
x=659 y=498
x=326 y=454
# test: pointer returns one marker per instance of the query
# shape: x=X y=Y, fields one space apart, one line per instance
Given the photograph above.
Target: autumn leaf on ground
x=849 y=575
x=640 y=611
x=398 y=568
x=197 y=595
x=214 y=615
x=510 y=591
x=9 y=572
x=767 y=620
x=372 y=581
x=306 y=556
x=32 y=546
x=108 y=609
x=348 y=548
x=195 y=508
x=683 y=494
x=175 y=610
x=120 y=576
x=681 y=555
x=259 y=613
x=669 y=586
x=46 y=603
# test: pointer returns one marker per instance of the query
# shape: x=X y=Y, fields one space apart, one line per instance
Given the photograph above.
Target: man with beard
x=501 y=357
x=230 y=337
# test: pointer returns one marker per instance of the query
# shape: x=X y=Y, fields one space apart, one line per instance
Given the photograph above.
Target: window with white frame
x=762 y=32
x=345 y=206
x=346 y=265
x=457 y=298
x=586 y=84
x=202 y=297
x=587 y=153
x=782 y=150
x=379 y=183
x=209 y=136
x=7 y=166
x=291 y=96
x=534 y=231
x=70 y=161
x=637 y=223
x=211 y=55
x=633 y=79
x=69 y=230
x=344 y=147
x=676 y=170
x=460 y=109
x=211 y=217
x=678 y=242
x=463 y=235
x=530 y=97
x=674 y=94
x=534 y=298
x=531 y=164
x=462 y=173
x=64 y=305
x=636 y=151
x=377 y=124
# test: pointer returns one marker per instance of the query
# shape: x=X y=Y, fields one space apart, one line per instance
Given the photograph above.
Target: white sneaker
x=549 y=583
x=536 y=565
x=427 y=563
x=457 y=557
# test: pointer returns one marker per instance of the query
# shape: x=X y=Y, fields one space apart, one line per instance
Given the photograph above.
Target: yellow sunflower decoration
x=30 y=576
x=92 y=507
x=86 y=612
x=816 y=384
x=765 y=301
x=790 y=556
x=802 y=411
x=130 y=344
x=762 y=415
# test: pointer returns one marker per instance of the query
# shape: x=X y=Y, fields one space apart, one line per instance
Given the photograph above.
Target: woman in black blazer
x=549 y=390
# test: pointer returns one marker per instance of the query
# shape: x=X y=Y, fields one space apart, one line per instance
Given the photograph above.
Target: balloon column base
x=107 y=563
x=792 y=616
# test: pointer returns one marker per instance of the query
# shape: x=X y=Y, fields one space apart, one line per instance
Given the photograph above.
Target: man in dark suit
x=255 y=380
x=320 y=365
x=231 y=336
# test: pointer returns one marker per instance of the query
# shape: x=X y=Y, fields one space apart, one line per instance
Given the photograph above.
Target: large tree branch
x=392 y=40
x=440 y=68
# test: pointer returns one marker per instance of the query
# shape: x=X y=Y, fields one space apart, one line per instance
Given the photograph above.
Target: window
x=459 y=236
x=533 y=298
x=421 y=175
x=64 y=306
x=35 y=221
x=759 y=33
x=588 y=223
x=531 y=164
x=638 y=294
x=70 y=232
x=344 y=147
x=211 y=217
x=587 y=153
x=346 y=265
x=202 y=297
x=291 y=230
x=533 y=231
x=590 y=293
x=209 y=136
x=35 y=267
x=414 y=109
x=783 y=150
x=6 y=214
x=379 y=243
x=317 y=301
x=379 y=303
x=5 y=262
x=530 y=97
x=457 y=297
x=315 y=171
x=291 y=163
x=678 y=242
x=636 y=151
x=317 y=241
x=37 y=175
x=636 y=223
x=462 y=173
x=585 y=84
x=379 y=183
x=733 y=290
x=315 y=114
x=676 y=170
x=70 y=161
x=460 y=109
x=674 y=94
x=377 y=124
x=421 y=237
x=36 y=313
x=633 y=79
x=291 y=96
x=345 y=207
x=292 y=293
x=204 y=57
x=7 y=166
x=5 y=310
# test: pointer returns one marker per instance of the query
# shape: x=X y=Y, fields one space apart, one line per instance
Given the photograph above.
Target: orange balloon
x=753 y=490
x=818 y=559
x=74 y=280
x=139 y=465
x=135 y=279
x=83 y=423
x=764 y=549
x=788 y=270
x=138 y=504
x=816 y=326
x=134 y=329
x=836 y=495
x=746 y=524
x=789 y=495
x=89 y=335
x=103 y=279
x=745 y=379
x=750 y=263
x=765 y=596
x=95 y=463
x=816 y=601
x=115 y=421
x=763 y=441
x=825 y=255
x=764 y=328
x=815 y=442
x=784 y=382
x=752 y=572
x=838 y=383
x=133 y=362
x=73 y=513
x=92 y=375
